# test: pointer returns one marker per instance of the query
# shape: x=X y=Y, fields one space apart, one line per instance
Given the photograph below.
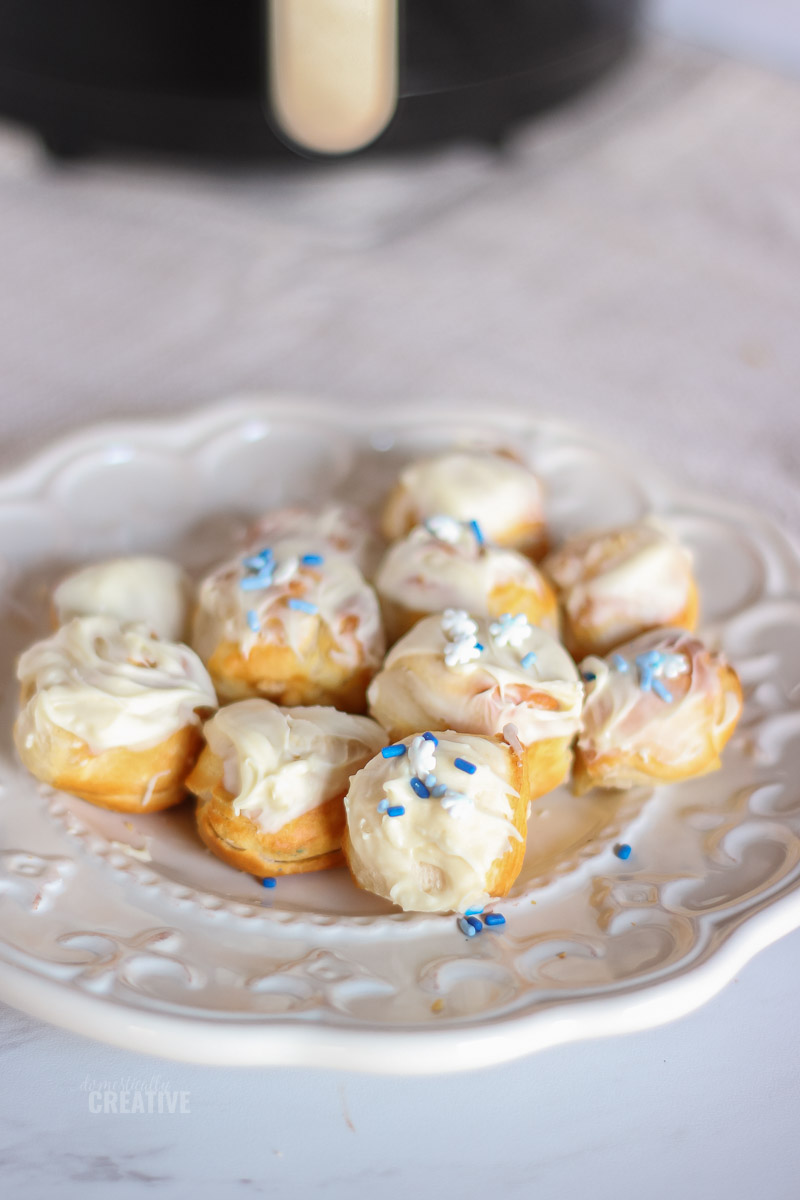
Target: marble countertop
x=631 y=262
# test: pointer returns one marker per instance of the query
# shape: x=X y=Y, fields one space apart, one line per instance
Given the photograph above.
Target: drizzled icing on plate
x=533 y=685
x=279 y=763
x=110 y=686
x=425 y=859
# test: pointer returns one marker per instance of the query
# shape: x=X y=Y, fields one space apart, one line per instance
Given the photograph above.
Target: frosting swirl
x=110 y=686
x=279 y=763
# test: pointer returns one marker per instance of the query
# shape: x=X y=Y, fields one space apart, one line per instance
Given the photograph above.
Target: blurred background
x=587 y=208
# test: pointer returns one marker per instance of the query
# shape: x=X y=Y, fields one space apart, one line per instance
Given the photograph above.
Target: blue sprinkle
x=463 y=765
x=478 y=532
x=254 y=562
x=473 y=912
x=269 y=882
x=430 y=781
x=623 y=850
x=619 y=662
x=479 y=647
x=465 y=927
x=439 y=790
x=661 y=691
x=393 y=751
x=396 y=810
x=382 y=806
x=430 y=738
x=494 y=919
x=254 y=583
x=475 y=923
x=312 y=560
x=589 y=676
x=419 y=787
x=253 y=621
x=528 y=660
x=304 y=606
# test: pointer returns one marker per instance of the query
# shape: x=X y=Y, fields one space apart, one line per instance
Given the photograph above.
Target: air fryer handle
x=333 y=71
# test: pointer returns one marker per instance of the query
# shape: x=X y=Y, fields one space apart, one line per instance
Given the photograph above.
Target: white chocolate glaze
x=618 y=580
x=279 y=763
x=501 y=494
x=418 y=689
x=110 y=686
x=152 y=591
x=339 y=528
x=340 y=597
x=426 y=573
x=622 y=715
x=430 y=859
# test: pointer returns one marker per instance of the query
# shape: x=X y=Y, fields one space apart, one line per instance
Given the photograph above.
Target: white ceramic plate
x=126 y=929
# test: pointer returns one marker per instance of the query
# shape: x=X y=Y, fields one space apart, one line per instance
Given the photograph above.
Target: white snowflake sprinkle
x=465 y=650
x=422 y=757
x=457 y=623
x=511 y=630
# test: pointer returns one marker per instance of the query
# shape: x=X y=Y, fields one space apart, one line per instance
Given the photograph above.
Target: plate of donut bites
x=435 y=699
x=400 y=721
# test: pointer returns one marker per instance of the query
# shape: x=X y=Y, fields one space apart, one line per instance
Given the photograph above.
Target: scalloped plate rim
x=467 y=1043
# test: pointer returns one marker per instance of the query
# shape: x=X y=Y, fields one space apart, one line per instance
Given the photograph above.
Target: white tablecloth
x=633 y=262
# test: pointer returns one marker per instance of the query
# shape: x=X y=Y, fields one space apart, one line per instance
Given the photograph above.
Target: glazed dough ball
x=152 y=591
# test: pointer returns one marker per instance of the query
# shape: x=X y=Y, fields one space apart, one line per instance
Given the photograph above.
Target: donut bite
x=140 y=589
x=615 y=584
x=111 y=714
x=449 y=564
x=291 y=622
x=504 y=678
x=270 y=784
x=497 y=491
x=437 y=822
x=659 y=709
